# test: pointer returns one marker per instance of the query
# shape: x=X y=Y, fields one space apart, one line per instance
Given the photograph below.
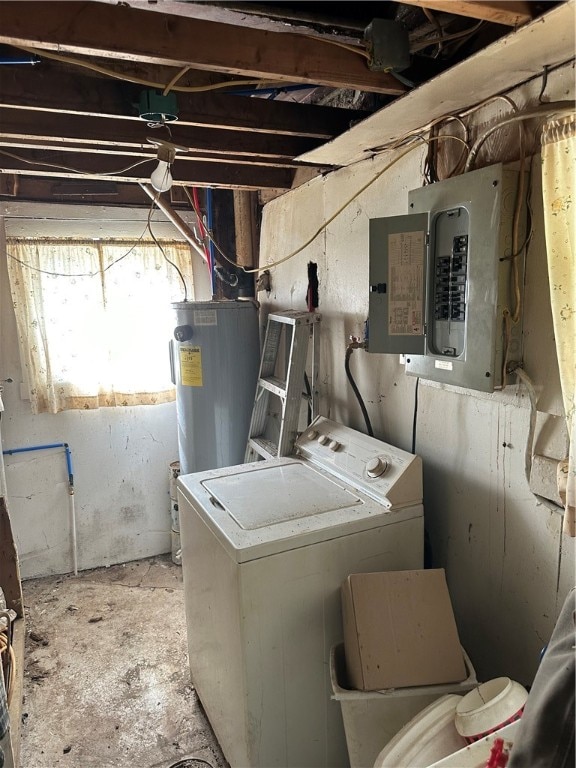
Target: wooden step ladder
x=288 y=332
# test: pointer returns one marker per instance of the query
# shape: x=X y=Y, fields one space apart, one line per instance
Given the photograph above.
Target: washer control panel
x=387 y=474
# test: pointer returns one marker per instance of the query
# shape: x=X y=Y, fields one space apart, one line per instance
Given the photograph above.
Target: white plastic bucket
x=373 y=718
x=427 y=738
x=476 y=755
x=489 y=707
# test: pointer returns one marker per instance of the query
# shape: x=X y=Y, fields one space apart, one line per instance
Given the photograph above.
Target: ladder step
x=293 y=317
x=274 y=385
x=281 y=375
x=265 y=448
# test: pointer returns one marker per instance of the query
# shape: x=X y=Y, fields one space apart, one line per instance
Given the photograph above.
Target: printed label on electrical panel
x=205 y=317
x=191 y=366
x=405 y=283
x=445 y=365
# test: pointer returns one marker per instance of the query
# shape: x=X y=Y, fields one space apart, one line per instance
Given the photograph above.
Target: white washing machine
x=265 y=548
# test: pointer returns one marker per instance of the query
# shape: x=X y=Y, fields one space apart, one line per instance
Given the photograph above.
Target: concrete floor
x=107 y=681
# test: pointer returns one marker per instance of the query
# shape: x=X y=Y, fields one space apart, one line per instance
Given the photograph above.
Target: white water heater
x=215 y=358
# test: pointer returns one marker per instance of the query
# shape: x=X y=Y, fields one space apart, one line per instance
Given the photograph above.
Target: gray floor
x=106 y=672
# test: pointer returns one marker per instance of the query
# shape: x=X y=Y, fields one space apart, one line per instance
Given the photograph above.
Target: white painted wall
x=120 y=455
x=507 y=563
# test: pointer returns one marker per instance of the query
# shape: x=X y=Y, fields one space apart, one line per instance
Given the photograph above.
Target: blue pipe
x=66 y=447
x=264 y=91
x=209 y=224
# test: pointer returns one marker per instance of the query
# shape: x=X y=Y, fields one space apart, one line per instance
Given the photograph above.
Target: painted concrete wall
x=507 y=563
x=120 y=456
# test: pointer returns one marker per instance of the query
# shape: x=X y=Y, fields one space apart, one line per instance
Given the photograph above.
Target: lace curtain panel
x=94 y=320
x=559 y=189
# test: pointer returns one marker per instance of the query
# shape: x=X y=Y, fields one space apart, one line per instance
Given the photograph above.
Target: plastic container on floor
x=373 y=718
x=476 y=755
x=427 y=738
x=490 y=706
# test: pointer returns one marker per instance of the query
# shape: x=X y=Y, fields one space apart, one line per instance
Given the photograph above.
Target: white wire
x=543 y=110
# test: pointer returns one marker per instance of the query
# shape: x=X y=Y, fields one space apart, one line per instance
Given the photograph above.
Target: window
x=94 y=319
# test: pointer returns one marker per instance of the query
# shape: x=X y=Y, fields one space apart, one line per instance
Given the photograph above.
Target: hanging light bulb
x=161 y=179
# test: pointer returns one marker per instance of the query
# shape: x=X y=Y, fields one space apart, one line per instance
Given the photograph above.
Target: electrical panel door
x=441 y=289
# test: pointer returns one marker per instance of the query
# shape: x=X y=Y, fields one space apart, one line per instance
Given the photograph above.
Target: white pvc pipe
x=72 y=509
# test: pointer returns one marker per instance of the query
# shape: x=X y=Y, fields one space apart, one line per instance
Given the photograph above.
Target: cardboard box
x=399 y=630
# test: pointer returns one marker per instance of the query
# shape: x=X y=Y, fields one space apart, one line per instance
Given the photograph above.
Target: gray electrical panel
x=441 y=280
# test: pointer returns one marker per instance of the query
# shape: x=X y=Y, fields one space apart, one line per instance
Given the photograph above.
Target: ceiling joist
x=185 y=172
x=97 y=29
x=64 y=93
x=512 y=13
x=19 y=124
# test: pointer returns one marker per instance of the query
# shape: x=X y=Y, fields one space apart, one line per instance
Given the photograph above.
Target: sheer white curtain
x=559 y=192
x=94 y=319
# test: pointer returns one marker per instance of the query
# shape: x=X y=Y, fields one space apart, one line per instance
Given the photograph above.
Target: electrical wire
x=362 y=189
x=349 y=349
x=193 y=200
x=543 y=110
x=529 y=450
x=175 y=79
x=80 y=274
x=415 y=417
x=420 y=46
x=74 y=170
x=433 y=20
x=139 y=80
x=113 y=263
x=346 y=46
x=162 y=251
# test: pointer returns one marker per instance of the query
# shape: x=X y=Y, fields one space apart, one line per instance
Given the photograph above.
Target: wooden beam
x=113 y=132
x=190 y=173
x=118 y=32
x=45 y=89
x=512 y=13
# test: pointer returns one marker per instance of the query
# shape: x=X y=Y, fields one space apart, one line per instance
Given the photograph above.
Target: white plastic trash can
x=428 y=737
x=373 y=718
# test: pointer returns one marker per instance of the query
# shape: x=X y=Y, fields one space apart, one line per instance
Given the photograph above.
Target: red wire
x=203 y=231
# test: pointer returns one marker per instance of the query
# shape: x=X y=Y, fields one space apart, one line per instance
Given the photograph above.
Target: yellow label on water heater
x=191 y=366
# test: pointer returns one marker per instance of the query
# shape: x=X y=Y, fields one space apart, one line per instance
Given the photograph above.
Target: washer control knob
x=323 y=439
x=312 y=435
x=376 y=467
x=334 y=445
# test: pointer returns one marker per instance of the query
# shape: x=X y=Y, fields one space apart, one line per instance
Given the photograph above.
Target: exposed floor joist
x=513 y=13
x=44 y=89
x=187 y=172
x=102 y=132
x=547 y=41
x=97 y=29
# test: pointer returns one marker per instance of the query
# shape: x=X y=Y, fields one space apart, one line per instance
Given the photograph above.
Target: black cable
x=415 y=418
x=544 y=83
x=356 y=391
x=309 y=396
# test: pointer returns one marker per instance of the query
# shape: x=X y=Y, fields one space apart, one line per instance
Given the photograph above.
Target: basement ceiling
x=255 y=86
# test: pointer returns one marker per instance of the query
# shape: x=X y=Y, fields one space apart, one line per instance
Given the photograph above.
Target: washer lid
x=272 y=506
x=276 y=494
